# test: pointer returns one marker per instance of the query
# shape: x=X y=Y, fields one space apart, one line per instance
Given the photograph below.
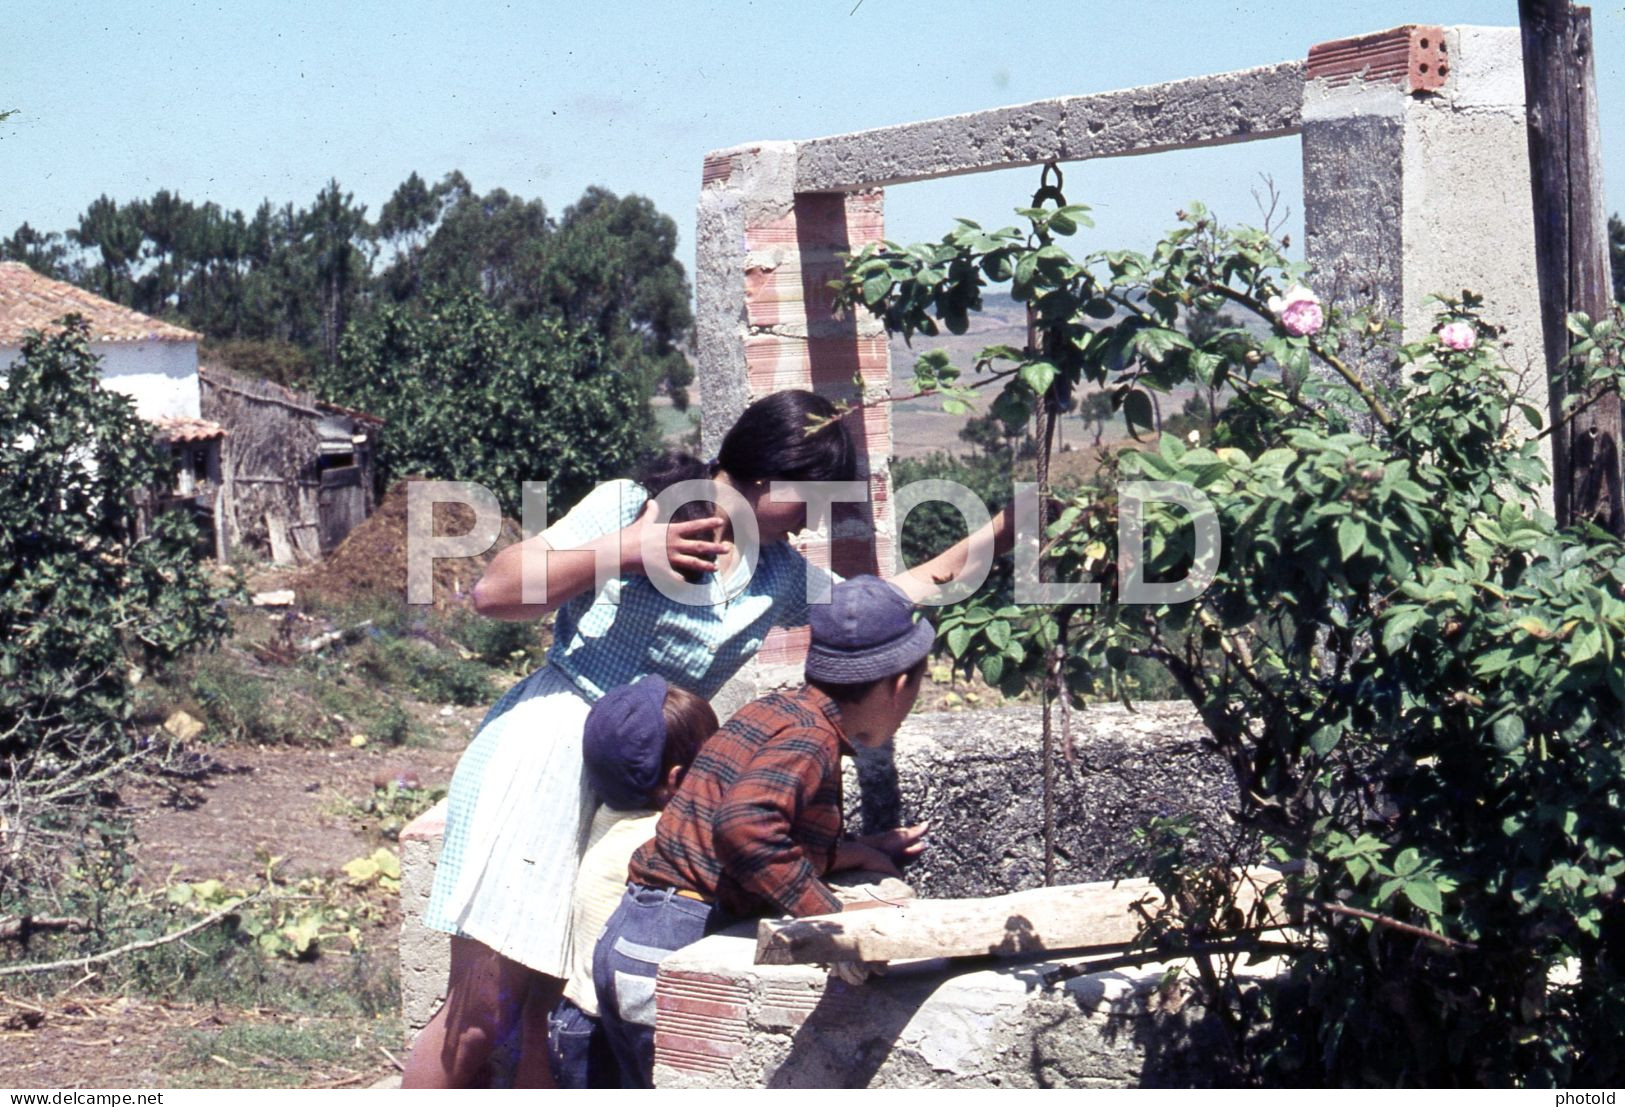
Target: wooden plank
x=1040 y=920
x=276 y=529
x=1571 y=246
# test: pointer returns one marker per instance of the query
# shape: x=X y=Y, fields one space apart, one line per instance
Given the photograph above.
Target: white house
x=147 y=359
x=151 y=361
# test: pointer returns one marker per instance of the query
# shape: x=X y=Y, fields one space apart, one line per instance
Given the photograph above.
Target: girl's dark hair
x=772 y=440
x=689 y=722
x=662 y=471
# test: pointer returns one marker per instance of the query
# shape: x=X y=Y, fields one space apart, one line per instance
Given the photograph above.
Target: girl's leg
x=484 y=1000
x=544 y=995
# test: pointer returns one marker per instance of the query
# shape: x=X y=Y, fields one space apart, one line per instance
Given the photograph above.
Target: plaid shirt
x=757 y=819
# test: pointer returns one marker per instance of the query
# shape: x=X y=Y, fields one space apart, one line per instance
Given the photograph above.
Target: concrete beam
x=1200 y=111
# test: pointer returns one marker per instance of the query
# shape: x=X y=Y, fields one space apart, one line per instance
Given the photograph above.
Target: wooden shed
x=297 y=472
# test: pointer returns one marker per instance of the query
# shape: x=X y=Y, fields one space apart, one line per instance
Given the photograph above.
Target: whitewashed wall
x=161 y=377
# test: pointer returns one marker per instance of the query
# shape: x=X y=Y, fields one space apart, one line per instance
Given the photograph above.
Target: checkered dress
x=519 y=807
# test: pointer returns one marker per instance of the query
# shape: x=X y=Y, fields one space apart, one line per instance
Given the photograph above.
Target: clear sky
x=241 y=100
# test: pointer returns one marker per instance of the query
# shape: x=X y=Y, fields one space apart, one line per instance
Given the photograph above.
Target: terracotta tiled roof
x=187 y=428
x=31 y=302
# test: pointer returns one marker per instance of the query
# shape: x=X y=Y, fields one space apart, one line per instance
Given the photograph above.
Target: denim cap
x=623 y=745
x=866 y=631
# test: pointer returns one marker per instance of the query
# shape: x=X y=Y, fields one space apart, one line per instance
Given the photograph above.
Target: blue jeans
x=648 y=925
x=578 y=1051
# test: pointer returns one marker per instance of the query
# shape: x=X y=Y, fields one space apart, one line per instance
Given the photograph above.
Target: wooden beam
x=1571 y=247
x=1040 y=920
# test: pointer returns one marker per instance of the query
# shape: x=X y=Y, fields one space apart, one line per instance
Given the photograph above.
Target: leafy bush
x=1413 y=672
x=85 y=596
x=471 y=393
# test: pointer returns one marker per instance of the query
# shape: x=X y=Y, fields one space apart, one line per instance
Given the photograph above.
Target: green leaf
x=1508 y=732
x=1137 y=410
x=1325 y=739
x=1408 y=861
x=1425 y=895
x=1039 y=375
x=1350 y=538
x=958 y=639
x=876 y=287
x=1400 y=625
x=992 y=668
x=998 y=632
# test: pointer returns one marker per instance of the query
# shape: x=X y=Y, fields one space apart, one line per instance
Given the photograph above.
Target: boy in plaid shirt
x=757 y=821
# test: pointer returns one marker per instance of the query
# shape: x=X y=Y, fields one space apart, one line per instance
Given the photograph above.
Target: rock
x=282 y=597
x=182 y=726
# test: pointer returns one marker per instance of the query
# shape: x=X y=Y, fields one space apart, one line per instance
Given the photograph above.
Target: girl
x=518 y=808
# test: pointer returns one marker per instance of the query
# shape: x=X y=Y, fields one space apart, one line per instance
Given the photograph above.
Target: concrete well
x=976 y=776
x=725 y=1022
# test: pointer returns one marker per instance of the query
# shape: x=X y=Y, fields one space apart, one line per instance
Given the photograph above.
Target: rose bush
x=1414 y=675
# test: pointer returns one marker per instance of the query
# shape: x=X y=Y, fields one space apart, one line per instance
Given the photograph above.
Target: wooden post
x=1571 y=247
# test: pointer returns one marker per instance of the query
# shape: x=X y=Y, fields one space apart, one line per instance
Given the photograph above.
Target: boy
x=638 y=741
x=756 y=822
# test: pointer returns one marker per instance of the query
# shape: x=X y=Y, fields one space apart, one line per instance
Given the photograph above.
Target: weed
x=392 y=806
x=299 y=1052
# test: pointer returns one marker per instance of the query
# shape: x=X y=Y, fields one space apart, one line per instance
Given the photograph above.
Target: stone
x=182 y=726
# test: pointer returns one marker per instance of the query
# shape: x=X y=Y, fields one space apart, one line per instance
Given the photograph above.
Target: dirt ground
x=256 y=801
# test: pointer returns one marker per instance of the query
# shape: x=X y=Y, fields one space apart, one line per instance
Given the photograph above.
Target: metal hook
x=1048 y=191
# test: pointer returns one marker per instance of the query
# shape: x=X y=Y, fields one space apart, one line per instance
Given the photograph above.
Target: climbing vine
x=1412 y=672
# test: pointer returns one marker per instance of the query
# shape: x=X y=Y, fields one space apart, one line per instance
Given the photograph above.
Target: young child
x=638 y=741
x=756 y=822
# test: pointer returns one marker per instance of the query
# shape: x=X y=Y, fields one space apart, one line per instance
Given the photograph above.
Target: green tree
x=44 y=253
x=335 y=230
x=612 y=266
x=470 y=393
x=86 y=596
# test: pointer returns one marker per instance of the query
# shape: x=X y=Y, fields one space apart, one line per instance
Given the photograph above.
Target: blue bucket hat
x=623 y=745
x=868 y=630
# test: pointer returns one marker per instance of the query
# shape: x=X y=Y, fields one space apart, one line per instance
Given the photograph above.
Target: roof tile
x=32 y=302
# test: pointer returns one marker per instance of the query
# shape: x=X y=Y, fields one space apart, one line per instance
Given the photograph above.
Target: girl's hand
x=691 y=547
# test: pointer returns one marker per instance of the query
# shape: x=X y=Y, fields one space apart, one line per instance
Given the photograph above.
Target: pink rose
x=1458 y=336
x=1298 y=310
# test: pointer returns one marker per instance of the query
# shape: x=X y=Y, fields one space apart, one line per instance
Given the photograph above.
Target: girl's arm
x=995 y=539
x=499 y=594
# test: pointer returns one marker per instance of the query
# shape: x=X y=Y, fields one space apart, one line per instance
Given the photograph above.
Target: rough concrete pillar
x=425 y=955
x=1416 y=180
x=766 y=255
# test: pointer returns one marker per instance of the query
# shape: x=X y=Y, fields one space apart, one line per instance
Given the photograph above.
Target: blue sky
x=236 y=102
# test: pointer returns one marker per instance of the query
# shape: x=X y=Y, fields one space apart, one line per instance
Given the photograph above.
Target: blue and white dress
x=519 y=807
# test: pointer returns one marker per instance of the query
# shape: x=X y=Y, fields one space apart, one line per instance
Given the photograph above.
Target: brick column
x=1416 y=180
x=765 y=324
